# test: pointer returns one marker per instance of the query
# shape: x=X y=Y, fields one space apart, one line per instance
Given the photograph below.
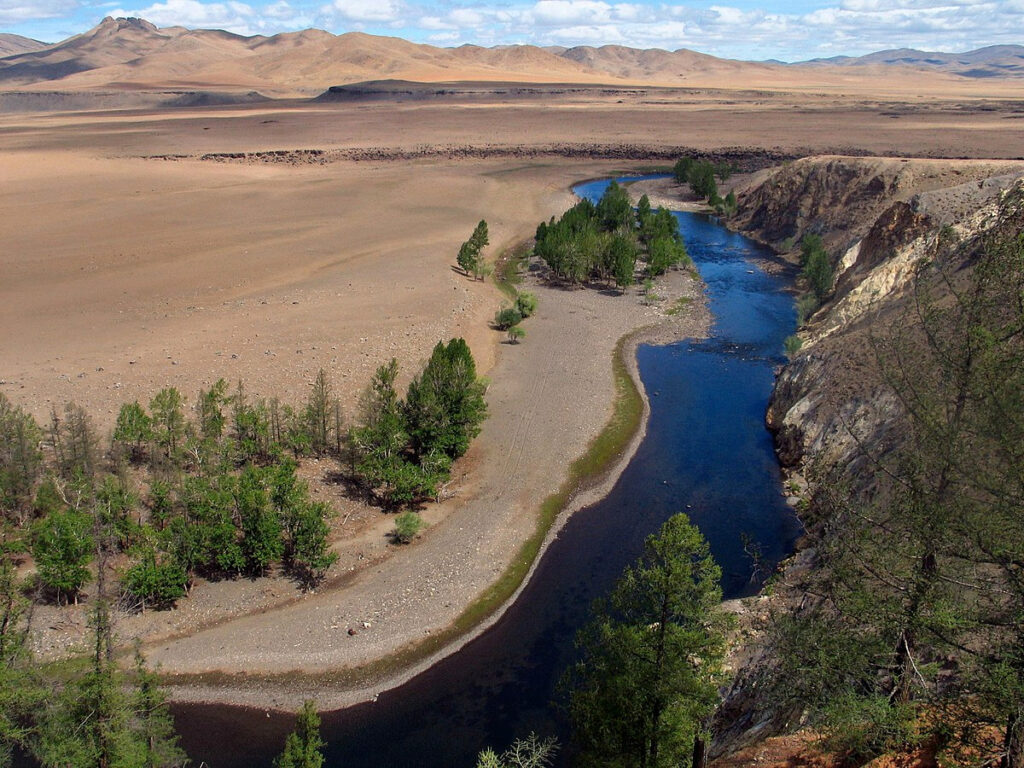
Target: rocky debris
x=744 y=159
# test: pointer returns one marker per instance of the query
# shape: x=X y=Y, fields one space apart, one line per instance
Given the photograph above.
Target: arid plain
x=145 y=248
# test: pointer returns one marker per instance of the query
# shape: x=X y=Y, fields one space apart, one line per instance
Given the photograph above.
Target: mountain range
x=133 y=54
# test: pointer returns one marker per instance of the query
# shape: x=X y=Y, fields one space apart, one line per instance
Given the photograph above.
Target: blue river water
x=707 y=453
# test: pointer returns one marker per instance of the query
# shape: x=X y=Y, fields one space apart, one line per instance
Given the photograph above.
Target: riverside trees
x=604 y=241
x=652 y=657
x=403 y=450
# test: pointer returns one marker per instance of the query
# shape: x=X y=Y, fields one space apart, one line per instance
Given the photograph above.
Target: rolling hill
x=133 y=55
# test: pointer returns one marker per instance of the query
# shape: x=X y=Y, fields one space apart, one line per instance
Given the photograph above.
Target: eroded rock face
x=832 y=408
x=879 y=218
x=842 y=198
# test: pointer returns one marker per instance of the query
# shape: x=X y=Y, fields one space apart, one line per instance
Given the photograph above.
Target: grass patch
x=586 y=471
x=508 y=269
x=681 y=303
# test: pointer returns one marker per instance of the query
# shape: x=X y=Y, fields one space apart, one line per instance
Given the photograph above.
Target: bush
x=526 y=303
x=863 y=728
x=157 y=581
x=407 y=526
x=506 y=317
x=792 y=344
x=515 y=333
x=806 y=306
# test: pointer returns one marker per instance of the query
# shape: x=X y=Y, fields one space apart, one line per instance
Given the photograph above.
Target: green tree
x=445 y=406
x=210 y=410
x=305 y=525
x=20 y=458
x=643 y=212
x=681 y=170
x=469 y=252
x=22 y=692
x=702 y=180
x=531 y=752
x=133 y=430
x=818 y=273
x=168 y=420
x=155 y=579
x=506 y=317
x=526 y=303
x=304 y=747
x=154 y=735
x=623 y=258
x=652 y=657
x=515 y=334
x=62 y=546
x=614 y=210
x=665 y=253
x=379 y=443
x=74 y=442
x=319 y=415
x=250 y=428
x=261 y=528
x=407 y=526
x=308 y=532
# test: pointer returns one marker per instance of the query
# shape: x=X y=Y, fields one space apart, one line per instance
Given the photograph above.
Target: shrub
x=407 y=526
x=526 y=303
x=506 y=317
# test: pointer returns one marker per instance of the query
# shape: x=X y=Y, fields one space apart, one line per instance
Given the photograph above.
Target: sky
x=739 y=29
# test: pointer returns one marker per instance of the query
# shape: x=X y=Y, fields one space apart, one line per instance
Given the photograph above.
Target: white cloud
x=571 y=12
x=17 y=11
x=232 y=16
x=368 y=10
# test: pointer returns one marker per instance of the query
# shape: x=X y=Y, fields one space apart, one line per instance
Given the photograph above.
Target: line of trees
x=218 y=494
x=700 y=175
x=914 y=627
x=604 y=242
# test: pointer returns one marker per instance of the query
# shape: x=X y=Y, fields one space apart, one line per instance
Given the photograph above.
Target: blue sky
x=743 y=29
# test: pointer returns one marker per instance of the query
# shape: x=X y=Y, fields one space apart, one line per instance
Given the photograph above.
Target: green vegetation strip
x=509 y=267
x=587 y=471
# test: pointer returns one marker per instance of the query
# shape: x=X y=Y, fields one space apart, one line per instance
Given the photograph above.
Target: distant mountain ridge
x=991 y=61
x=133 y=54
x=11 y=45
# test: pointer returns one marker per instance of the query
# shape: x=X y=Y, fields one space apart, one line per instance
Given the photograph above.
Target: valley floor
x=152 y=273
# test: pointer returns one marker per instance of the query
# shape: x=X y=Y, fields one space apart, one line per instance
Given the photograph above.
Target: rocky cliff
x=831 y=407
x=878 y=218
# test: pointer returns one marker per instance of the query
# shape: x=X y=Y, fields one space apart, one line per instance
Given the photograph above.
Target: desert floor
x=123 y=274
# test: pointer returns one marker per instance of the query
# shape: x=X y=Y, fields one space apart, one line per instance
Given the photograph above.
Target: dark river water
x=706 y=453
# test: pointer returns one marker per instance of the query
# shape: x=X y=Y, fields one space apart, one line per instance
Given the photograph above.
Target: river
x=707 y=453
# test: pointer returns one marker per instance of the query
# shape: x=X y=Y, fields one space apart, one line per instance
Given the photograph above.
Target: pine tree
x=304 y=747
x=652 y=657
